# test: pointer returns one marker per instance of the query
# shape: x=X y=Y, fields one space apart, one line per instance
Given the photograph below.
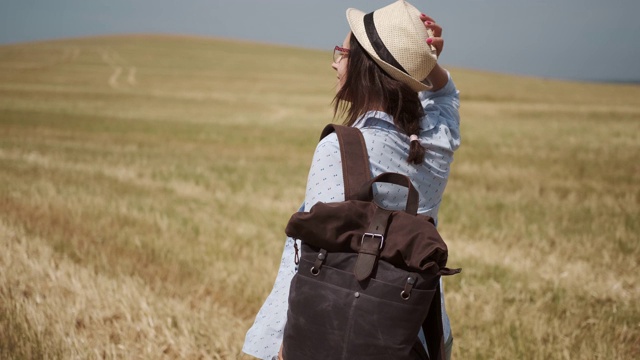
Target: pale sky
x=567 y=39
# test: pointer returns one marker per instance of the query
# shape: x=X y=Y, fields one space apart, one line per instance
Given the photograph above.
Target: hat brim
x=355 y=18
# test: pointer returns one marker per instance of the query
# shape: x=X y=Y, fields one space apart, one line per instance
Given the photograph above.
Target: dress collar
x=376 y=114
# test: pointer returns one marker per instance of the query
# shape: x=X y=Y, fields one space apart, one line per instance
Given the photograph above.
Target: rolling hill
x=145 y=182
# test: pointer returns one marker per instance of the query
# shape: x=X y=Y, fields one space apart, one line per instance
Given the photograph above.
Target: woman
x=407 y=128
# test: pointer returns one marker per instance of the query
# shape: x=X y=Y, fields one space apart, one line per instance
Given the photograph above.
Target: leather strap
x=367 y=257
x=355 y=158
x=366 y=192
x=317 y=265
x=372 y=242
x=432 y=327
x=408 y=286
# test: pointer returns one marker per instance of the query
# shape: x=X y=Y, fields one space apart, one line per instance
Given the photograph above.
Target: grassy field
x=145 y=183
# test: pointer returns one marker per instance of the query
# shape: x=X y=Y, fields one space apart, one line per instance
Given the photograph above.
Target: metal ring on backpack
x=317 y=265
x=408 y=286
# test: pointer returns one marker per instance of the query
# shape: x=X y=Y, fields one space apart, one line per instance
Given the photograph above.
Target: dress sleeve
x=447 y=93
x=324 y=183
x=264 y=338
x=442 y=116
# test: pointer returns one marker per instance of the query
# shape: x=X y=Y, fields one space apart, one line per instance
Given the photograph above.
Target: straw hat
x=395 y=37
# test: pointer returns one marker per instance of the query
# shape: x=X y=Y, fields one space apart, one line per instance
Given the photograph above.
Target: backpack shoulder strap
x=355 y=158
x=432 y=327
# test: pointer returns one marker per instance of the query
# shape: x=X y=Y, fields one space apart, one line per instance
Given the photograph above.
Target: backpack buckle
x=368 y=255
x=373 y=236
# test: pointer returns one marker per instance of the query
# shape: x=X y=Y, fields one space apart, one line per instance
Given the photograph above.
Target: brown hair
x=368 y=87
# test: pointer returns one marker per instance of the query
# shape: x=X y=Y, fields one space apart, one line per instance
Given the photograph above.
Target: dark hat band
x=379 y=47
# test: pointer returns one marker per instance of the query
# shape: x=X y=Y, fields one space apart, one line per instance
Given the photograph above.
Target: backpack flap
x=411 y=242
x=360 y=225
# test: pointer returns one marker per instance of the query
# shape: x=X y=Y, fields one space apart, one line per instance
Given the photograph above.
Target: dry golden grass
x=145 y=183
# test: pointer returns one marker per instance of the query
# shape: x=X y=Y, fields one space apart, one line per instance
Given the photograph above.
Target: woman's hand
x=438 y=77
x=436 y=39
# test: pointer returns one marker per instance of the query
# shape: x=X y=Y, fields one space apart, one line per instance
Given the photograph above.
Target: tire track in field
x=120 y=66
x=64 y=55
x=70 y=54
x=122 y=174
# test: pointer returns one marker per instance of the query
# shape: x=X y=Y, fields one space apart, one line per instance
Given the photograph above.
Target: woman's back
x=388 y=148
x=380 y=90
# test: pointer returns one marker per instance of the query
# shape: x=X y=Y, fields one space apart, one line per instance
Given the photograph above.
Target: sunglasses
x=339 y=53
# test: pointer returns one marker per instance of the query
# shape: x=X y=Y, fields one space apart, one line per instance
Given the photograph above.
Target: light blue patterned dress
x=388 y=148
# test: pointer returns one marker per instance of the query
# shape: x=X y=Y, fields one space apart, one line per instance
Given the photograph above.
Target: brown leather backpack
x=368 y=277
